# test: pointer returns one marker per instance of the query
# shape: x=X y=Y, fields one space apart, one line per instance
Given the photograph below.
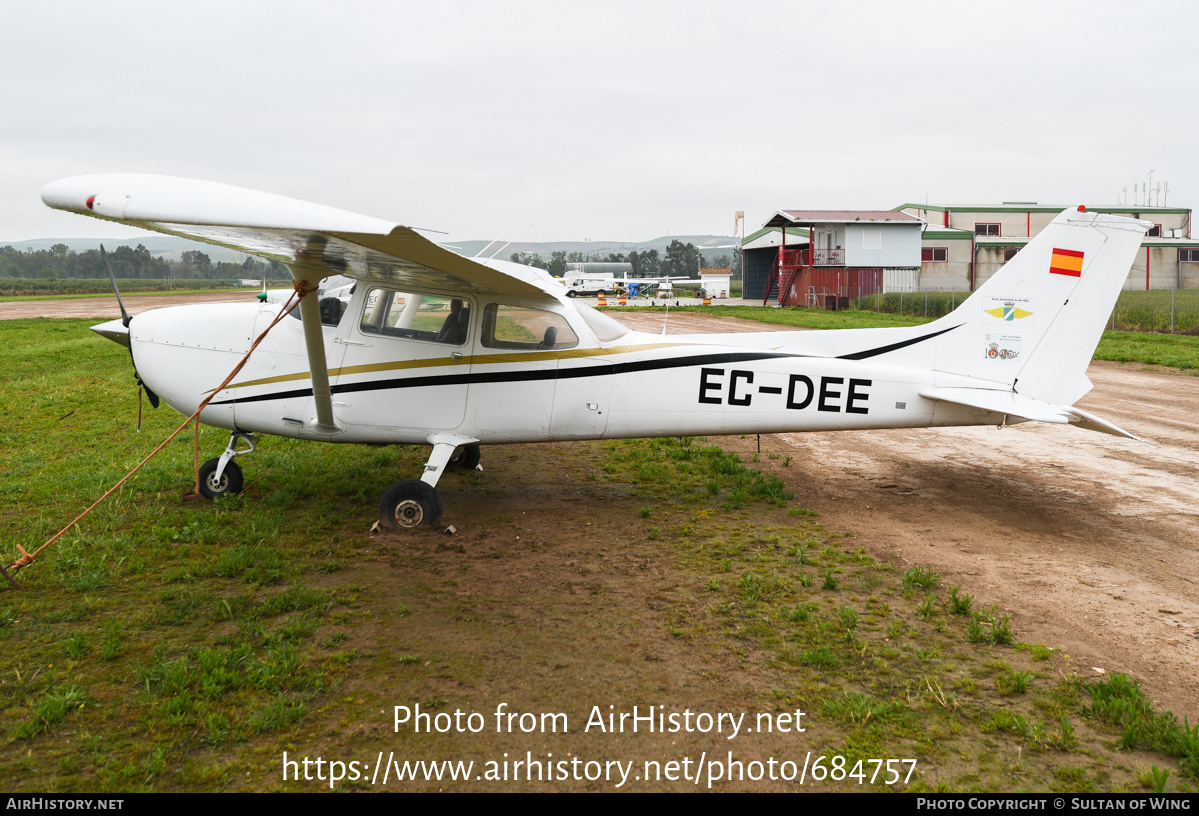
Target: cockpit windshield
x=606 y=329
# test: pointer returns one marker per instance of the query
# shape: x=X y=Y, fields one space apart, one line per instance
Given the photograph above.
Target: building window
x=934 y=254
x=988 y=230
x=1155 y=232
x=1009 y=253
x=1188 y=256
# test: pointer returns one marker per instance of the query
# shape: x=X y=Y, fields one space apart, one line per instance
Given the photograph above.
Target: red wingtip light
x=1081 y=208
x=90 y=201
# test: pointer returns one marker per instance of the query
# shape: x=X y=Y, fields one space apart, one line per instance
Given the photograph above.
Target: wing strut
x=307 y=276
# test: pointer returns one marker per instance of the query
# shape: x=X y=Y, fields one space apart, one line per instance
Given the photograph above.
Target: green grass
x=1173 y=350
x=1151 y=311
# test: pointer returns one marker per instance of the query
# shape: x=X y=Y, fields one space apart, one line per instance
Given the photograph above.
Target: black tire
x=231 y=480
x=469 y=457
x=570 y=293
x=464 y=458
x=409 y=504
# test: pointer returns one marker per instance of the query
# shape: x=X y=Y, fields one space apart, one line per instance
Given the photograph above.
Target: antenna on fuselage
x=501 y=249
x=498 y=237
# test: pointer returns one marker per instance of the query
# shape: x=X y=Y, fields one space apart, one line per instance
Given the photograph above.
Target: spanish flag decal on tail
x=1066 y=262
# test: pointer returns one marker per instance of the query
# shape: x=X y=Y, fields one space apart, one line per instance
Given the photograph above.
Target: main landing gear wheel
x=409 y=504
x=467 y=457
x=229 y=484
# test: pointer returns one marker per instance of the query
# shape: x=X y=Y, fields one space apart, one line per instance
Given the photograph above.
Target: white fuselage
x=392 y=388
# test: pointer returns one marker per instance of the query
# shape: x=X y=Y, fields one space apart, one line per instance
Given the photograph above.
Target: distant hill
x=172 y=248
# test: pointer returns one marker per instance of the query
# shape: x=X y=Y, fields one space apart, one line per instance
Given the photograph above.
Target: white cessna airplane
x=436 y=349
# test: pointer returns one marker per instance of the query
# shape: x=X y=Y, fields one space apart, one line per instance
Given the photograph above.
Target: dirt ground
x=108 y=307
x=1088 y=540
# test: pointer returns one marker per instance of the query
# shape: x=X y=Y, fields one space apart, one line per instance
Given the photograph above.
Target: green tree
x=645 y=264
x=529 y=259
x=682 y=260
x=557 y=265
x=195 y=259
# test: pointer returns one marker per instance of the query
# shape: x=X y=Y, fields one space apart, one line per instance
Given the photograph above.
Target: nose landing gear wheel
x=230 y=483
x=409 y=504
x=467 y=457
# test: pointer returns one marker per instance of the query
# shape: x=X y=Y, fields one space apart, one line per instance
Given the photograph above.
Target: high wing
x=314 y=241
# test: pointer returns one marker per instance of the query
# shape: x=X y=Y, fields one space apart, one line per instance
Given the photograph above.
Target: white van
x=589 y=285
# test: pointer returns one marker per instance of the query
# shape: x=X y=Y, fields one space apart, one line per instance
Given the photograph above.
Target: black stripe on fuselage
x=874 y=352
x=555 y=373
x=527 y=375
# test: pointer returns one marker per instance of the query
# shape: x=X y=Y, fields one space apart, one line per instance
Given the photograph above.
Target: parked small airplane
x=641 y=286
x=433 y=348
x=666 y=287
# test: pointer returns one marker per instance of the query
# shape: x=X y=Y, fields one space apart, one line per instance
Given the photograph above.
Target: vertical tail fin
x=1034 y=325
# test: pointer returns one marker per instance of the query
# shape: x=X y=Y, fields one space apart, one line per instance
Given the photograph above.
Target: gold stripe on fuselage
x=478 y=359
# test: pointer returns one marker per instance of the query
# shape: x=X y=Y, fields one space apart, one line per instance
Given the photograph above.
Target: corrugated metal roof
x=850 y=215
x=773 y=237
x=797 y=233
x=1114 y=209
x=783 y=217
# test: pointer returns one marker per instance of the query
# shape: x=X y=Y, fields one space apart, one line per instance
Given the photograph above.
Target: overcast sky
x=599 y=120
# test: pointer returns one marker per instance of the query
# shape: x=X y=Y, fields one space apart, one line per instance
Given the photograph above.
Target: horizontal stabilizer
x=1001 y=402
x=1012 y=404
x=1093 y=423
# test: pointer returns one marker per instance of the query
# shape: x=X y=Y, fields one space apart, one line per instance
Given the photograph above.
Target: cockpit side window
x=525 y=329
x=433 y=319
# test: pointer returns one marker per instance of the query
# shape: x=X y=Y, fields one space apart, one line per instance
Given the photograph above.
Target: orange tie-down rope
x=300 y=291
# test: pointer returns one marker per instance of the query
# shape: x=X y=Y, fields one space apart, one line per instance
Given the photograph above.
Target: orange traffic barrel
x=622 y=301
x=603 y=301
x=707 y=301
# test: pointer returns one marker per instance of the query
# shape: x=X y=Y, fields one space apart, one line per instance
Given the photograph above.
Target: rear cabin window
x=433 y=319
x=524 y=329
